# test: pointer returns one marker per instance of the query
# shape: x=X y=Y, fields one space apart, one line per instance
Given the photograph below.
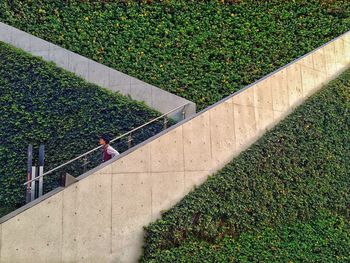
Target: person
x=108 y=151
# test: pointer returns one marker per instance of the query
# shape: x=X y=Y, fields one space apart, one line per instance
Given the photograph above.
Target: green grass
x=200 y=50
x=294 y=174
x=40 y=103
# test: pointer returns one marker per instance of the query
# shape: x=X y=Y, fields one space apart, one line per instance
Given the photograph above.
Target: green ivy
x=295 y=172
x=324 y=239
x=40 y=103
x=199 y=50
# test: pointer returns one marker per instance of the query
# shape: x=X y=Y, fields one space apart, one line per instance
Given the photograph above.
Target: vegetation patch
x=199 y=50
x=295 y=173
x=324 y=239
x=40 y=103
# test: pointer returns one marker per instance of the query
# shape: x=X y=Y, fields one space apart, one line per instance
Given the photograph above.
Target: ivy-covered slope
x=199 y=50
x=324 y=239
x=40 y=103
x=297 y=172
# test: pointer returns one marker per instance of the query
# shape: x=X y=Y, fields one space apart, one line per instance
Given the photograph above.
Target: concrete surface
x=95 y=72
x=101 y=217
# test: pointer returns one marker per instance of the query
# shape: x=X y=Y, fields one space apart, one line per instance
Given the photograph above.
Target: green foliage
x=40 y=103
x=297 y=170
x=200 y=50
x=5 y=210
x=325 y=239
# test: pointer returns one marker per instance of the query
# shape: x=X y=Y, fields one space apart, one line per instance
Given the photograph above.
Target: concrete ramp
x=101 y=217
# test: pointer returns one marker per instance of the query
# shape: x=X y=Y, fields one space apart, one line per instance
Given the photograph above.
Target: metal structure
x=29 y=172
x=34 y=174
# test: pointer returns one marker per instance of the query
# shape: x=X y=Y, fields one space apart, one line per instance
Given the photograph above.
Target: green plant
x=40 y=103
x=200 y=50
x=294 y=173
x=324 y=239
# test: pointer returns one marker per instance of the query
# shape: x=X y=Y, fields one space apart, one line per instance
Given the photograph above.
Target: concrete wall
x=94 y=72
x=101 y=217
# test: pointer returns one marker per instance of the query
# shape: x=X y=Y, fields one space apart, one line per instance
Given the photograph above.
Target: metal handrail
x=117 y=138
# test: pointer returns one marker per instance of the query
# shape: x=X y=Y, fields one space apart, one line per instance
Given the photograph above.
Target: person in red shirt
x=108 y=151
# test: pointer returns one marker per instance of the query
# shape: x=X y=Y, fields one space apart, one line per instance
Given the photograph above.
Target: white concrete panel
x=245 y=98
x=347 y=53
x=117 y=78
x=37 y=44
x=279 y=90
x=131 y=201
x=346 y=37
x=79 y=65
x=131 y=210
x=245 y=126
x=167 y=190
x=262 y=94
x=20 y=39
x=222 y=133
x=264 y=120
x=340 y=54
x=167 y=152
x=98 y=74
x=138 y=161
x=142 y=92
x=197 y=145
x=5 y=33
x=330 y=58
x=70 y=236
x=94 y=213
x=60 y=57
x=294 y=82
x=130 y=248
x=319 y=60
x=308 y=81
x=307 y=61
x=35 y=235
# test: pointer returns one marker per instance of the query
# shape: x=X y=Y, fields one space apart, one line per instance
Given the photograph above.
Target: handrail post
x=184 y=112
x=29 y=172
x=85 y=163
x=33 y=184
x=41 y=169
x=165 y=122
x=129 y=141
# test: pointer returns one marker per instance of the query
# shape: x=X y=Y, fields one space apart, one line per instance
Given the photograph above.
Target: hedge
x=200 y=50
x=296 y=171
x=324 y=239
x=40 y=103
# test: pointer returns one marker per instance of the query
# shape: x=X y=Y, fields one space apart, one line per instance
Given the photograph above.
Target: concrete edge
x=31 y=204
x=152 y=92
x=94 y=170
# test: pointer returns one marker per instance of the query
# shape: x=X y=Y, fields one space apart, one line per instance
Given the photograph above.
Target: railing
x=92 y=158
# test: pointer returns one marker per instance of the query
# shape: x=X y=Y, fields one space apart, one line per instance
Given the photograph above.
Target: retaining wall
x=94 y=72
x=101 y=217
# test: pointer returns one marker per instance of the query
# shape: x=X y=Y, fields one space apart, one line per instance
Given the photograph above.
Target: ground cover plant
x=40 y=103
x=324 y=239
x=296 y=173
x=200 y=50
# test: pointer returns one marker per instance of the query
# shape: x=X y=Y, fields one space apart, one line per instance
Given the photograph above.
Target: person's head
x=103 y=140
